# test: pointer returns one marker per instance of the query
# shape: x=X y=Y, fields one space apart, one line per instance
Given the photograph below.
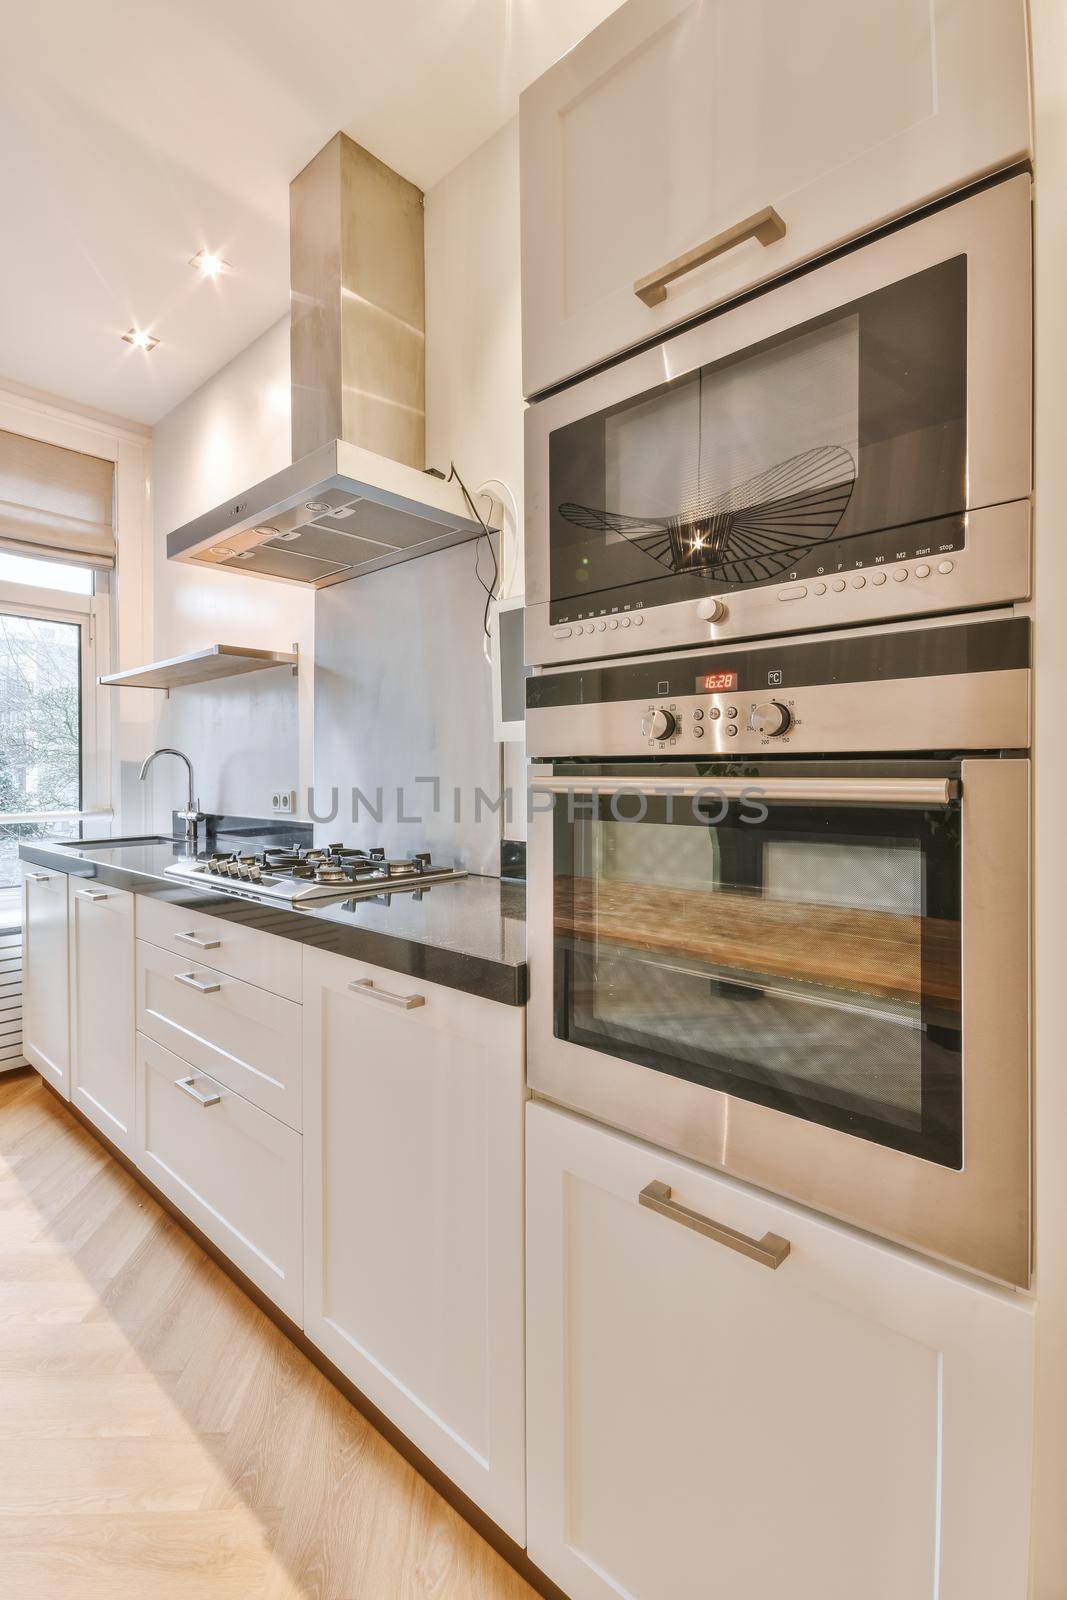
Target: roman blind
x=55 y=503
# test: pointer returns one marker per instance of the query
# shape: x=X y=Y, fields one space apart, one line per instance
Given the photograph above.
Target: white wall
x=474 y=406
x=245 y=736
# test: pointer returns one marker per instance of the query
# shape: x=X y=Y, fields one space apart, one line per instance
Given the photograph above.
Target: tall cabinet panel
x=744 y=136
x=853 y=1422
x=46 y=993
x=413 y=1250
x=102 y=1008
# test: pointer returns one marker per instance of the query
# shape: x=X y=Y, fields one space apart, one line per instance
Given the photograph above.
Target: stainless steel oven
x=851 y=445
x=779 y=919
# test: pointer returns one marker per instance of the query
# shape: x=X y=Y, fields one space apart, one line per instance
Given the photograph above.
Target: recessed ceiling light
x=143 y=340
x=209 y=264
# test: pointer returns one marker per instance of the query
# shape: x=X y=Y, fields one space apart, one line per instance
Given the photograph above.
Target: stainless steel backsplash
x=402 y=694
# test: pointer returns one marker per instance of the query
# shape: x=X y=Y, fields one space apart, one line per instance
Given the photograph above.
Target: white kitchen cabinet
x=229 y=1167
x=413 y=1098
x=676 y=120
x=101 y=1007
x=46 y=984
x=854 y=1423
x=237 y=948
x=244 y=1036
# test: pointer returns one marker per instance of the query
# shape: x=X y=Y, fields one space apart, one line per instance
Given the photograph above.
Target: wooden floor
x=159 y=1437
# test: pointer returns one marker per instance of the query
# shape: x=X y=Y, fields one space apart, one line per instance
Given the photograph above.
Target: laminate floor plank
x=160 y=1438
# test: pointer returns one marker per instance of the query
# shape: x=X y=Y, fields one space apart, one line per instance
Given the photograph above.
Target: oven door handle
x=925 y=792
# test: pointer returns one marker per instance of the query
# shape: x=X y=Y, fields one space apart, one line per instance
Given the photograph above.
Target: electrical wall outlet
x=284 y=802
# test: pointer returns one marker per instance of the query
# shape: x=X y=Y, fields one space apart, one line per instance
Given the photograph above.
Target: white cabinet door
x=854 y=1423
x=46 y=1006
x=226 y=1165
x=102 y=1007
x=675 y=120
x=413 y=1213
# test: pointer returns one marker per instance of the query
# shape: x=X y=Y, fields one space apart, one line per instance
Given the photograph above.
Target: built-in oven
x=851 y=445
x=790 y=938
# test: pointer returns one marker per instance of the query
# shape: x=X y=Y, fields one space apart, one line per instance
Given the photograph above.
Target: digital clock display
x=713 y=682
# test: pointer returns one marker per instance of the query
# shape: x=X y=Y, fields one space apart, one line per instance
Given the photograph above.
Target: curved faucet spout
x=192 y=813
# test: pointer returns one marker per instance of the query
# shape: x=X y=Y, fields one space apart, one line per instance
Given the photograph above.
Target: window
x=45 y=574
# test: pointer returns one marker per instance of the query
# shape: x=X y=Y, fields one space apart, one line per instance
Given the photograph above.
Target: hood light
x=140 y=339
x=211 y=265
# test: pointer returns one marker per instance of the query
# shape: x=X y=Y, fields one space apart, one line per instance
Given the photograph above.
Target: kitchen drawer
x=249 y=953
x=245 y=1037
x=230 y=1168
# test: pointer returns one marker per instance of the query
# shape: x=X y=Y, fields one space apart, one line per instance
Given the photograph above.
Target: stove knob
x=711 y=610
x=659 y=724
x=770 y=718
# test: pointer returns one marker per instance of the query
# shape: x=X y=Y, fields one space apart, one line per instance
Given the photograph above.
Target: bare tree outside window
x=40 y=729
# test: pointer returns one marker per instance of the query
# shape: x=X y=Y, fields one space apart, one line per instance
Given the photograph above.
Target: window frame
x=90 y=613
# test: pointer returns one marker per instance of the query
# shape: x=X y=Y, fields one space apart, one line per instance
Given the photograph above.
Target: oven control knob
x=711 y=610
x=659 y=724
x=770 y=718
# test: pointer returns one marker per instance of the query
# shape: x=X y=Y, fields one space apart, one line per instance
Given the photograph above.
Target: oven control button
x=878 y=578
x=922 y=570
x=796 y=591
x=945 y=566
x=698 y=732
x=899 y=574
x=731 y=731
x=837 y=585
x=563 y=633
x=659 y=724
x=710 y=610
x=770 y=718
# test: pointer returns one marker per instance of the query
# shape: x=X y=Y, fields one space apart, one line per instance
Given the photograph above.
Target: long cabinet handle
x=91 y=894
x=766 y=226
x=193 y=982
x=201 y=944
x=368 y=988
x=770 y=1251
x=925 y=792
x=188 y=1086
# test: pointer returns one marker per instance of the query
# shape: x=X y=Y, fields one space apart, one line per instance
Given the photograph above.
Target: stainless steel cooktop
x=295 y=874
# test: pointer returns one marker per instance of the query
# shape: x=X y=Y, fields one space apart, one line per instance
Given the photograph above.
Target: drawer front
x=245 y=1037
x=230 y=1168
x=249 y=953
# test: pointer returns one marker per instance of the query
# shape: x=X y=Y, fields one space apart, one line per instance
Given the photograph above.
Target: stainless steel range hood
x=356 y=497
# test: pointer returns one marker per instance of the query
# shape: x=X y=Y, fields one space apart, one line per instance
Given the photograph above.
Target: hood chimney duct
x=357 y=296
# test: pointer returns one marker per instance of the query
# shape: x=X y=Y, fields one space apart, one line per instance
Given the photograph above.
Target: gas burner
x=295 y=873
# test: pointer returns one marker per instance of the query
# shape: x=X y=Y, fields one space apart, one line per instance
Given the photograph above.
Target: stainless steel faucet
x=192 y=813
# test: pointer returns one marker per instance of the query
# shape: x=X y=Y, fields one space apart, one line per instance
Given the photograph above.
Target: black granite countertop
x=468 y=935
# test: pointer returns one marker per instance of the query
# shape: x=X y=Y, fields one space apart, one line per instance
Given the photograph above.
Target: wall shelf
x=201 y=666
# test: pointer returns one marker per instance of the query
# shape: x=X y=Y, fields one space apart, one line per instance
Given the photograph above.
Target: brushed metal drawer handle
x=201 y=944
x=194 y=982
x=187 y=1086
x=367 y=987
x=766 y=226
x=40 y=877
x=91 y=894
x=770 y=1251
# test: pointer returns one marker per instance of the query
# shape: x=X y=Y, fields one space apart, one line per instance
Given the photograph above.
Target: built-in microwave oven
x=778 y=914
x=849 y=446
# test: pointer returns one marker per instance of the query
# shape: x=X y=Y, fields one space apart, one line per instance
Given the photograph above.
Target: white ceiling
x=134 y=133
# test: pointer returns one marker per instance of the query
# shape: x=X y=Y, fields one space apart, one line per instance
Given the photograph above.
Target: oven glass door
x=803 y=953
x=825 y=447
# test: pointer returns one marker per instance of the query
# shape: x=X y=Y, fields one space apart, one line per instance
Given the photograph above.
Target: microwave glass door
x=809 y=961
x=814 y=451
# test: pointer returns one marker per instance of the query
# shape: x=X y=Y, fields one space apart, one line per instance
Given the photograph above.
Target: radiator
x=11 y=999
